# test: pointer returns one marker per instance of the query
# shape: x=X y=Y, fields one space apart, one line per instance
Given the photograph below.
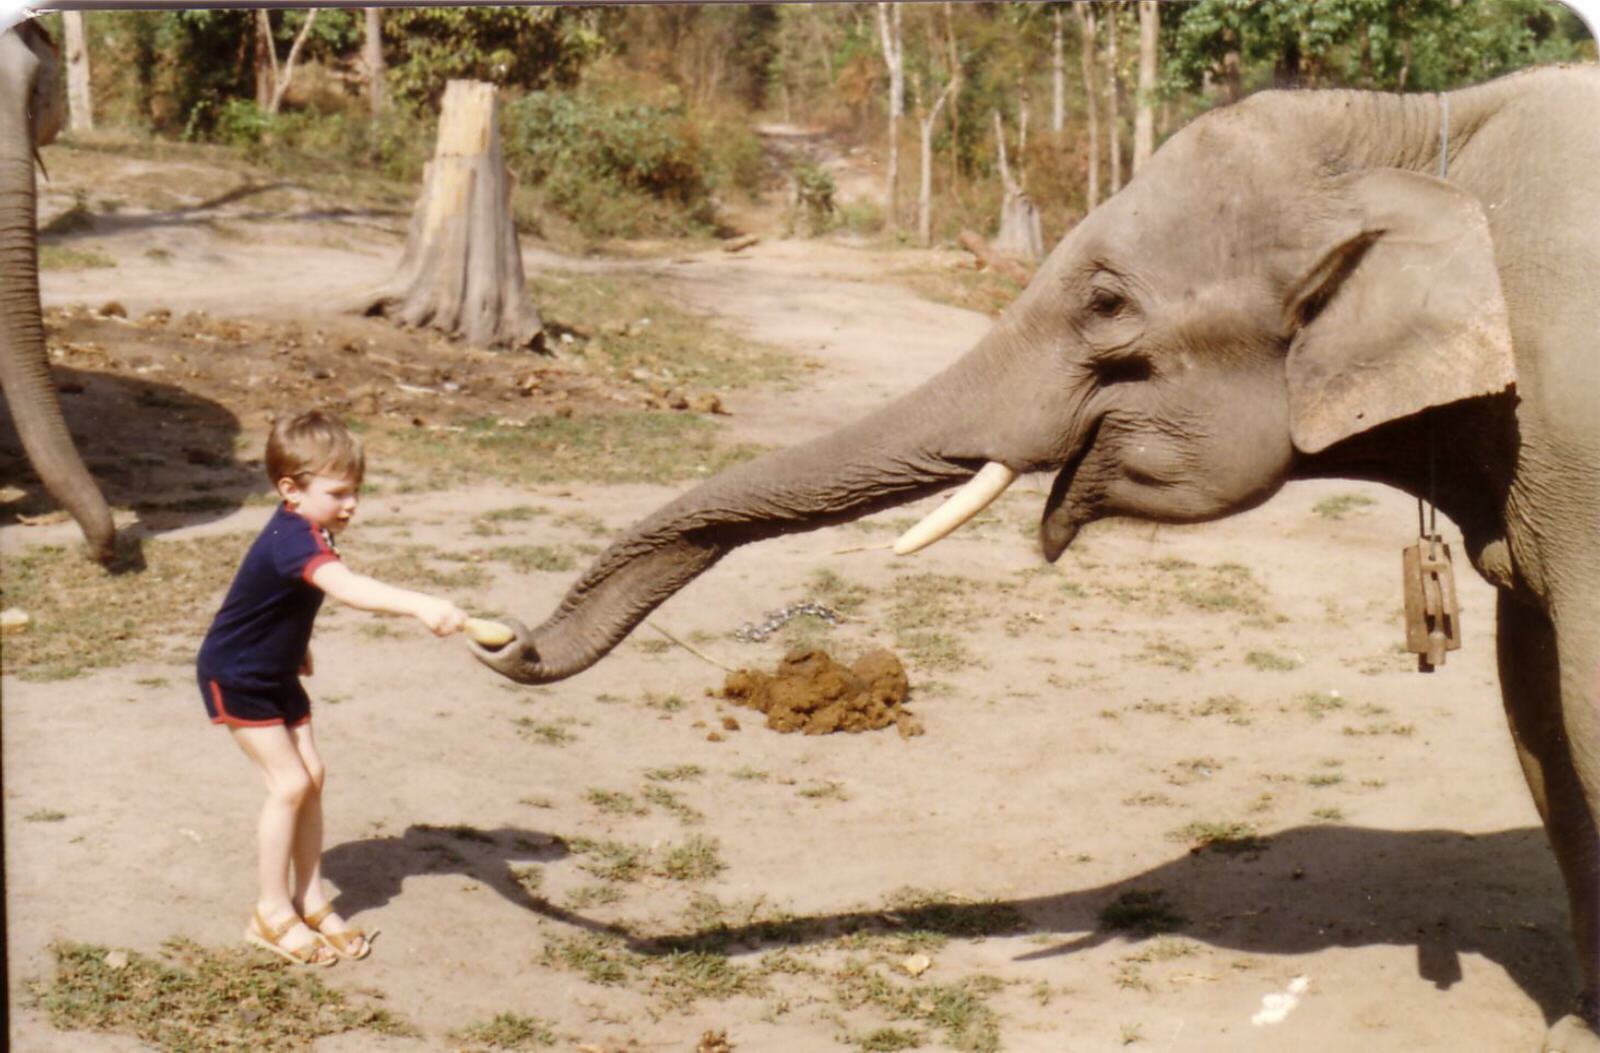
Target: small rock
x=113 y=309
x=729 y=724
x=116 y=959
x=707 y=402
x=715 y=736
x=916 y=965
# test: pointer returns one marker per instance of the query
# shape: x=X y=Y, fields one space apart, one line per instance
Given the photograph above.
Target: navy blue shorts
x=286 y=704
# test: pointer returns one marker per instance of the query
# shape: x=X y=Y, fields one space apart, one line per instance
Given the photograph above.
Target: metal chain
x=751 y=632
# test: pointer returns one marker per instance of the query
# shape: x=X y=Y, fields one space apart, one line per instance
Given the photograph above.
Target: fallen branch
x=994 y=261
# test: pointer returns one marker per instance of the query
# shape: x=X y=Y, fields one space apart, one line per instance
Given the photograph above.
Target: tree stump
x=461 y=271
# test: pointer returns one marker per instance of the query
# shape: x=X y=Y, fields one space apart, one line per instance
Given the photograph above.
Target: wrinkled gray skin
x=32 y=111
x=1287 y=290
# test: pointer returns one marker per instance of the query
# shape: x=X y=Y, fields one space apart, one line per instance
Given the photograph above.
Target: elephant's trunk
x=897 y=454
x=24 y=363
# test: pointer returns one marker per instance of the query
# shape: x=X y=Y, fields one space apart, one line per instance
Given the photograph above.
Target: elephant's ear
x=1402 y=312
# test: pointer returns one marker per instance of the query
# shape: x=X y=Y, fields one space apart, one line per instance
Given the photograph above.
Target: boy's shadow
x=369 y=873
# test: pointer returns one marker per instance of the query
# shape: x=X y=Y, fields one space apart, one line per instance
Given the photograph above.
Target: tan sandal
x=260 y=934
x=341 y=942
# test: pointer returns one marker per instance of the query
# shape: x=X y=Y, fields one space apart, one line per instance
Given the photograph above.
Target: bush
x=616 y=169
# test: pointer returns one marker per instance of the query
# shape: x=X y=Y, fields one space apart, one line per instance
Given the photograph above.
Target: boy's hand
x=441 y=616
x=305 y=664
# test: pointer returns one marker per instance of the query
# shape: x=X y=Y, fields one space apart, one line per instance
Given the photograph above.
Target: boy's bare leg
x=273 y=751
x=307 y=851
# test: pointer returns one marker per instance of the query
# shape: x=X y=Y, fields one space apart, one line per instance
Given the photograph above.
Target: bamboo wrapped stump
x=461 y=272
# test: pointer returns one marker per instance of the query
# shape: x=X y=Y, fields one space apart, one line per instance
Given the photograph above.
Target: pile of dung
x=811 y=692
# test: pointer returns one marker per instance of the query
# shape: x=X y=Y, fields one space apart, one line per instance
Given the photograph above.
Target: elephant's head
x=1254 y=295
x=32 y=111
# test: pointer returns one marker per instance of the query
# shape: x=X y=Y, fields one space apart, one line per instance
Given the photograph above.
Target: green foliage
x=621 y=169
x=528 y=47
x=1421 y=45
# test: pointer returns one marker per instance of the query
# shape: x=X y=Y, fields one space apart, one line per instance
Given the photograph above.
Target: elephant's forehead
x=1211 y=202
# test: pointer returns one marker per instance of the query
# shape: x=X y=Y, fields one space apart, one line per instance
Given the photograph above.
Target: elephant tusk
x=980 y=491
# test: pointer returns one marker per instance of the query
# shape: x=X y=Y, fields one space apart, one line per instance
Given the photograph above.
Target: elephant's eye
x=1106 y=303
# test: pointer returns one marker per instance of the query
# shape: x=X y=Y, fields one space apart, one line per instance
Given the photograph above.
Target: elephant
x=32 y=112
x=1317 y=283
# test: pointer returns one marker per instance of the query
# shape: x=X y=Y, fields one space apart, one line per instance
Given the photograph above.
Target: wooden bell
x=1433 y=617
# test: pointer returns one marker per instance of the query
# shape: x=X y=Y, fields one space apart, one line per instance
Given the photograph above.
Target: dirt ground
x=1209 y=729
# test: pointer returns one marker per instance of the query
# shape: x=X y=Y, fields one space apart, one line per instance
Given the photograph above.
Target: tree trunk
x=372 y=58
x=1058 y=78
x=282 y=78
x=894 y=58
x=1021 y=235
x=80 y=100
x=461 y=271
x=1091 y=110
x=955 y=97
x=266 y=60
x=925 y=197
x=1144 y=121
x=1113 y=119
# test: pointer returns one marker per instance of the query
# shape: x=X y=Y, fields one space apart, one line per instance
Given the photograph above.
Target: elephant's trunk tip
x=518 y=658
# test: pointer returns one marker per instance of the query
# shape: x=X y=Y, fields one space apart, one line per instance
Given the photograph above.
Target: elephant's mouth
x=1062 y=519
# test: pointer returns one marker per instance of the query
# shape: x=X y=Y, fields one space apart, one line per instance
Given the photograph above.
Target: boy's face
x=327 y=500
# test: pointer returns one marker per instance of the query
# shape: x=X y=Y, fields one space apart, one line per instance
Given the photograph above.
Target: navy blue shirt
x=259 y=637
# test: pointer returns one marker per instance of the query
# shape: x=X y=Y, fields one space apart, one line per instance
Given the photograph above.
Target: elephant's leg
x=1553 y=712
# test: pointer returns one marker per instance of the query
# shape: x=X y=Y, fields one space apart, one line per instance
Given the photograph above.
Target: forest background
x=642 y=121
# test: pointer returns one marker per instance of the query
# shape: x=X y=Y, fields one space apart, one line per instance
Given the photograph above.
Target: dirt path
x=1088 y=726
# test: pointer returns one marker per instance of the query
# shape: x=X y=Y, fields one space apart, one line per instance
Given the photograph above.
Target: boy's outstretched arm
x=370 y=594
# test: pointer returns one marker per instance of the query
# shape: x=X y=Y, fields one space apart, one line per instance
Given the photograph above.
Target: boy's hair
x=314 y=443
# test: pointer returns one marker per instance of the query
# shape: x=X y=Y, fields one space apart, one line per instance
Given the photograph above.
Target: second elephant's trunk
x=24 y=364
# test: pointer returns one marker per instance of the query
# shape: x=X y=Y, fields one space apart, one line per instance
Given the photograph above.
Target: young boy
x=256 y=651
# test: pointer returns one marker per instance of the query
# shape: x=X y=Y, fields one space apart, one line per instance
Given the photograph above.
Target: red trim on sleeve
x=316 y=561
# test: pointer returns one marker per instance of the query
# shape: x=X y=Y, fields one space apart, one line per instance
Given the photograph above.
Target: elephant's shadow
x=370 y=872
x=157 y=447
x=1301 y=890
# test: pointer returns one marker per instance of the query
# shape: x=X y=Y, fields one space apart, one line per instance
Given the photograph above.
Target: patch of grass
x=1230 y=837
x=676 y=773
x=959 y=1009
x=1144 y=912
x=69 y=258
x=586 y=896
x=528 y=558
x=608 y=448
x=599 y=958
x=696 y=859
x=547 y=732
x=45 y=815
x=197 y=998
x=508 y=1031
x=1171 y=655
x=1268 y=660
x=1340 y=505
x=833 y=590
x=1231 y=706
x=1319 y=704
x=684 y=977
x=827 y=791
x=676 y=347
x=749 y=774
x=408 y=566
x=614 y=803
x=1325 y=779
x=1330 y=815
x=888 y=1040
x=85 y=617
x=615 y=861
x=489 y=524
x=666 y=703
x=670 y=802
x=1390 y=728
